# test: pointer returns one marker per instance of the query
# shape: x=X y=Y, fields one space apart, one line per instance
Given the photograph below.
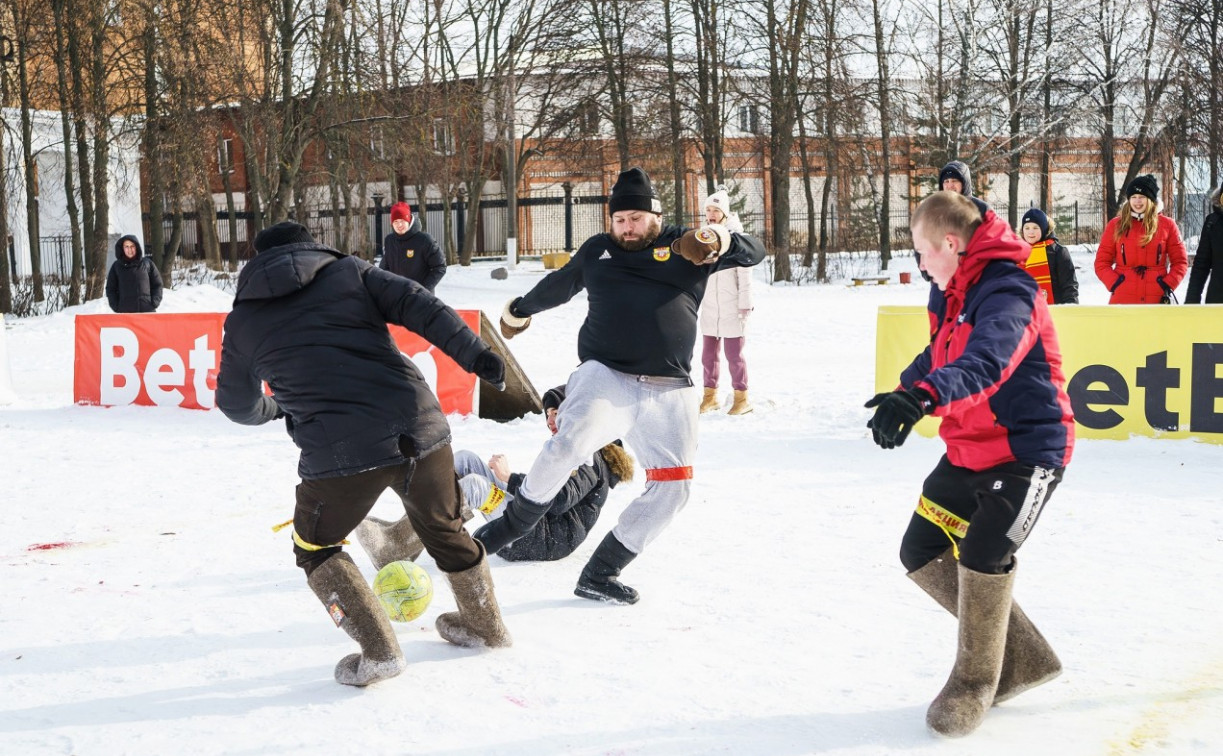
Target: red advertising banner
x=455 y=387
x=171 y=359
x=167 y=360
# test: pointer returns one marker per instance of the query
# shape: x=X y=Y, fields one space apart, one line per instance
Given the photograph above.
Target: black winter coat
x=133 y=285
x=414 y=255
x=1208 y=262
x=574 y=511
x=311 y=322
x=1062 y=277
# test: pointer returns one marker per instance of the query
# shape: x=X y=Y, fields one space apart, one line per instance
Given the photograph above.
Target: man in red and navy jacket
x=993 y=374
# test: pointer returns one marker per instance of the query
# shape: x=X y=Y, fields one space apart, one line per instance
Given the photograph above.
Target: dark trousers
x=985 y=515
x=329 y=508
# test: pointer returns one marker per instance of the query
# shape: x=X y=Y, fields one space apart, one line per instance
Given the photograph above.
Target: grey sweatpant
x=477 y=481
x=657 y=419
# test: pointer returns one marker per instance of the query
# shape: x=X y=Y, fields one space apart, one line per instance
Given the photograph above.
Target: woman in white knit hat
x=724 y=313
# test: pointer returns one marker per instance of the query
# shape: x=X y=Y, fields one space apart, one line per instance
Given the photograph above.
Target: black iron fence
x=558 y=220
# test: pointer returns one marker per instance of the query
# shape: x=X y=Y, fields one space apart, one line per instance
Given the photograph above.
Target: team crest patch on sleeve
x=706 y=235
x=662 y=254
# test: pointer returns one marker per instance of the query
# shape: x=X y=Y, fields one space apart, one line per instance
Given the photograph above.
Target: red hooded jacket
x=1131 y=270
x=993 y=365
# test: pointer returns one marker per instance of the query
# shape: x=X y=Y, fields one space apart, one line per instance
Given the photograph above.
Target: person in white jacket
x=724 y=313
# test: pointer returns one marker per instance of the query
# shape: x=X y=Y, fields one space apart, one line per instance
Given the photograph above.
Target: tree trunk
x=65 y=108
x=31 y=173
x=885 y=133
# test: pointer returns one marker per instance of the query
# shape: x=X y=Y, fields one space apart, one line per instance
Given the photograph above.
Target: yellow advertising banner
x=1130 y=370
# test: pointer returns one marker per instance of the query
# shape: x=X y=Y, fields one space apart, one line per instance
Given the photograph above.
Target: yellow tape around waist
x=303 y=542
x=954 y=526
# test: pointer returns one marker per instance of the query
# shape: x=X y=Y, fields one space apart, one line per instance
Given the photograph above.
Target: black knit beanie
x=1037 y=216
x=285 y=232
x=633 y=191
x=1144 y=185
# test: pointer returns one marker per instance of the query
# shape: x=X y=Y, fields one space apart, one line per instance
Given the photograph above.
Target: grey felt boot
x=353 y=607
x=984 y=611
x=1029 y=660
x=387 y=542
x=478 y=620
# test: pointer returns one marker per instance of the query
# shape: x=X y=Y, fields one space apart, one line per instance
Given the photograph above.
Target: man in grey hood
x=954 y=177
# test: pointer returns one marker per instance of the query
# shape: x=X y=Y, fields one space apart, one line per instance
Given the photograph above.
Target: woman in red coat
x=1141 y=258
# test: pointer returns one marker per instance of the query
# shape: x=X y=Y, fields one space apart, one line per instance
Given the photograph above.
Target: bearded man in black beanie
x=644 y=281
x=312 y=323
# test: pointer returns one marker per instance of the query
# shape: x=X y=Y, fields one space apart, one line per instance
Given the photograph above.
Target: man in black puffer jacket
x=410 y=252
x=312 y=323
x=133 y=283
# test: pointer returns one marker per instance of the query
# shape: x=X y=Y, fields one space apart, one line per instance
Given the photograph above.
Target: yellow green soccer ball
x=404 y=590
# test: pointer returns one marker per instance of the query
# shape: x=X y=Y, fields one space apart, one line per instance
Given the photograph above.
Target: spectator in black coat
x=133 y=283
x=410 y=252
x=953 y=177
x=572 y=513
x=1049 y=263
x=1208 y=260
x=312 y=323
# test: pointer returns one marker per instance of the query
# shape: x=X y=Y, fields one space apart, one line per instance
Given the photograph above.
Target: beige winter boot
x=984 y=610
x=352 y=605
x=741 y=406
x=478 y=620
x=1029 y=660
x=710 y=401
x=387 y=542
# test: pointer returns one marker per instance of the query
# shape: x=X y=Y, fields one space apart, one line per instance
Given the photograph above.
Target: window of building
x=588 y=118
x=225 y=155
x=375 y=143
x=749 y=119
x=443 y=139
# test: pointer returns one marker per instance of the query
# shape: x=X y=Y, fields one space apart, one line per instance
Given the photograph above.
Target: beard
x=637 y=244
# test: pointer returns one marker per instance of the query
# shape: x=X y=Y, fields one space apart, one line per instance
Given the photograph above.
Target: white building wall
x=123 y=186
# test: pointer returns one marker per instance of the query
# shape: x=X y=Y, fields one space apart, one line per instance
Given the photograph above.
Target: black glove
x=895 y=414
x=1168 y=296
x=490 y=367
x=1117 y=283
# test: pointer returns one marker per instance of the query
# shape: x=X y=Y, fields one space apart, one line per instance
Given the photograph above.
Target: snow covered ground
x=775 y=616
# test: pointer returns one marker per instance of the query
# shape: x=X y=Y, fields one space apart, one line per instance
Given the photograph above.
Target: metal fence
x=556 y=221
x=55 y=256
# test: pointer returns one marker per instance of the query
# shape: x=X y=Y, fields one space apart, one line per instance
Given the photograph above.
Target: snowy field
x=775 y=615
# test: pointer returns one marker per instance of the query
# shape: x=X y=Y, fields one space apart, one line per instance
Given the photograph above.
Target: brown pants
x=329 y=508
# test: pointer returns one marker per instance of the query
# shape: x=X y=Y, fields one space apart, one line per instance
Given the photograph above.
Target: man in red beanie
x=410 y=252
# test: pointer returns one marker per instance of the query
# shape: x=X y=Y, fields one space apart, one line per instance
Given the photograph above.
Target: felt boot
x=709 y=402
x=387 y=542
x=984 y=610
x=339 y=585
x=1029 y=660
x=478 y=620
x=598 y=579
x=741 y=405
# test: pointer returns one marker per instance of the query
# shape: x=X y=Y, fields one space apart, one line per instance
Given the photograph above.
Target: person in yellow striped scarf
x=1049 y=263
